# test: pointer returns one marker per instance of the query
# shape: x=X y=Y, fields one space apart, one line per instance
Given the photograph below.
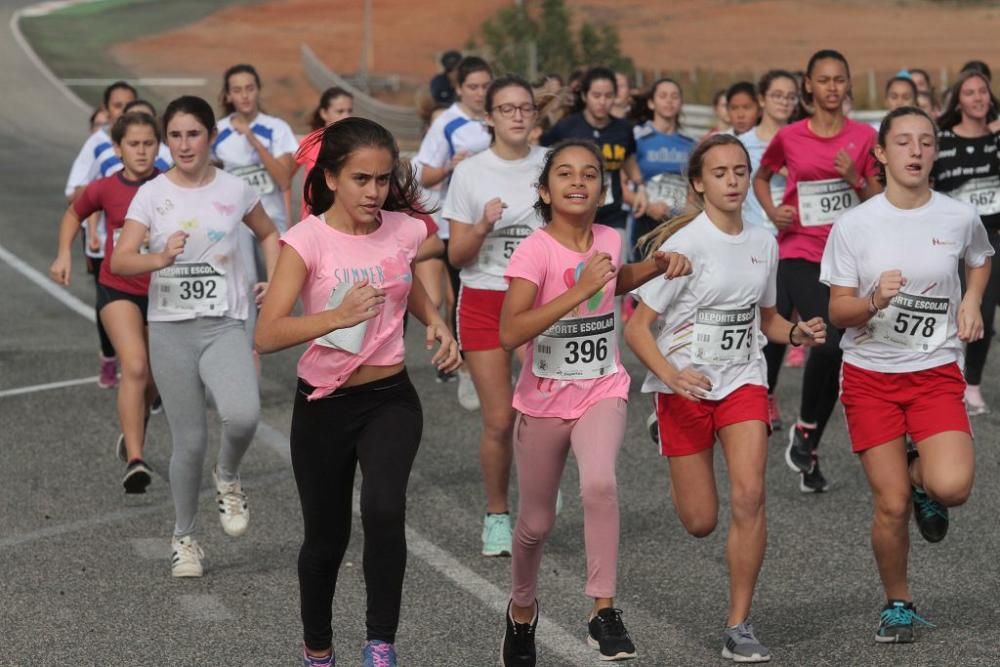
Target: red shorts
x=881 y=407
x=687 y=427
x=479 y=319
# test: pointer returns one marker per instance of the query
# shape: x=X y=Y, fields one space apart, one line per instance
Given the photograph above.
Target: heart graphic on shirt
x=571 y=276
x=215 y=235
x=224 y=209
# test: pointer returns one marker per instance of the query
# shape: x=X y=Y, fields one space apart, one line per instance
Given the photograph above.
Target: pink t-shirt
x=554 y=268
x=332 y=258
x=809 y=157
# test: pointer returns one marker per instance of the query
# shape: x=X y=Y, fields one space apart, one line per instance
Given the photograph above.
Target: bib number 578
x=586 y=351
x=914 y=325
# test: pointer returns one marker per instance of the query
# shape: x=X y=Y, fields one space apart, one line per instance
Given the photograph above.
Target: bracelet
x=791 y=338
x=872 y=306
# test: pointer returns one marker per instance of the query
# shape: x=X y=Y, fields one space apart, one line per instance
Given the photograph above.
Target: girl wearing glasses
x=490 y=208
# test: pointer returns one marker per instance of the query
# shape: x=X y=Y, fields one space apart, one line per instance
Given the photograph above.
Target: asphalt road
x=84 y=571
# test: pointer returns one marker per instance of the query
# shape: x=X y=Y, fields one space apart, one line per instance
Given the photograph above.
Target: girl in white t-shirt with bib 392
x=892 y=266
x=707 y=369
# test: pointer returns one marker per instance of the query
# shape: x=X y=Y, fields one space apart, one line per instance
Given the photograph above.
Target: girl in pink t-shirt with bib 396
x=572 y=391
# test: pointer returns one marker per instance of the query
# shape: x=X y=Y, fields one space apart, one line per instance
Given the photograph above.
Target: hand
x=970 y=321
x=492 y=212
x=240 y=125
x=809 y=334
x=889 y=284
x=658 y=210
x=690 y=384
x=994 y=127
x=93 y=241
x=672 y=264
x=362 y=302
x=844 y=166
x=259 y=290
x=783 y=216
x=447 y=358
x=458 y=157
x=60 y=270
x=640 y=203
x=175 y=246
x=596 y=274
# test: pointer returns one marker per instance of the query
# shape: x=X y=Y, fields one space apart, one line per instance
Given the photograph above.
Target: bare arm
x=520 y=320
x=69 y=227
x=431 y=248
x=126 y=260
x=670 y=264
x=779 y=330
x=267 y=235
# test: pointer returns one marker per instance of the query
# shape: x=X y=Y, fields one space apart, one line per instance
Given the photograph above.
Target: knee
x=498 y=425
x=699 y=524
x=747 y=503
x=950 y=493
x=532 y=530
x=134 y=368
x=383 y=515
x=599 y=492
x=241 y=421
x=893 y=508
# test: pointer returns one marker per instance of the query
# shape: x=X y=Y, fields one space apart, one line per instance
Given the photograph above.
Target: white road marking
x=48 y=385
x=205 y=608
x=43 y=69
x=59 y=293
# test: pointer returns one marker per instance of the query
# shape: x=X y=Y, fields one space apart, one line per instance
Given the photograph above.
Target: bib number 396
x=580 y=348
x=918 y=323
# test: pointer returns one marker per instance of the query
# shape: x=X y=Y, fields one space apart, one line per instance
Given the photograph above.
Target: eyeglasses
x=778 y=97
x=507 y=110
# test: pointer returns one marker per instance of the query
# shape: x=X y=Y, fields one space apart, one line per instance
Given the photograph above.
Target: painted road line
x=47 y=386
x=59 y=293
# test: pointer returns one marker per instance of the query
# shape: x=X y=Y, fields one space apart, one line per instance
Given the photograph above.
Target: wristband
x=791 y=338
x=872 y=306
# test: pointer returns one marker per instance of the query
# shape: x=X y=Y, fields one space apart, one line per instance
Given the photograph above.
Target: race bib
x=499 y=246
x=725 y=336
x=192 y=288
x=578 y=348
x=822 y=202
x=918 y=323
x=669 y=188
x=256 y=176
x=981 y=193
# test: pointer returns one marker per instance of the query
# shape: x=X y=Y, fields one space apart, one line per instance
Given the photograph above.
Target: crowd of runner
x=537 y=228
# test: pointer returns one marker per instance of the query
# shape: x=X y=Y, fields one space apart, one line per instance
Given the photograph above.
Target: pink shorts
x=479 y=319
x=687 y=427
x=881 y=407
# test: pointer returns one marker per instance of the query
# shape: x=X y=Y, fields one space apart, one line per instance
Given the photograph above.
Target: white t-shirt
x=97 y=159
x=241 y=159
x=451 y=133
x=479 y=179
x=209 y=278
x=919 y=329
x=710 y=320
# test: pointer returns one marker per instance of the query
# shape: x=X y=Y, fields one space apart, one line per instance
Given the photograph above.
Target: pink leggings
x=541 y=445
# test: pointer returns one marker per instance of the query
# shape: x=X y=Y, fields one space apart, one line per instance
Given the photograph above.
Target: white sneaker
x=120 y=450
x=467 y=396
x=233 y=511
x=185 y=561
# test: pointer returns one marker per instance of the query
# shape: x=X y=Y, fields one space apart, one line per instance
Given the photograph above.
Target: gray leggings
x=187 y=358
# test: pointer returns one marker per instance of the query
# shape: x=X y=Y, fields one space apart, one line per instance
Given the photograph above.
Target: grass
x=75 y=41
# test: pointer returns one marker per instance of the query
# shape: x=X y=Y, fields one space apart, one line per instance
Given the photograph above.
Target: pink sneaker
x=796 y=357
x=108 y=378
x=774 y=413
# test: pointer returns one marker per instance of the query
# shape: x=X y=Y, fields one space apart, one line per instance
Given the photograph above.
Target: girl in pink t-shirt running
x=572 y=391
x=830 y=169
x=351 y=263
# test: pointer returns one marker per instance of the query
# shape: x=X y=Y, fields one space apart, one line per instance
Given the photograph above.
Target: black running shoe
x=896 y=623
x=518 y=647
x=157 y=406
x=930 y=515
x=445 y=376
x=137 y=477
x=607 y=634
x=813 y=481
x=799 y=453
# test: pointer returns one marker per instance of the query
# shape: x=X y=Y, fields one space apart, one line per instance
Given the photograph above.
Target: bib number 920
x=914 y=325
x=587 y=351
x=834 y=203
x=197 y=289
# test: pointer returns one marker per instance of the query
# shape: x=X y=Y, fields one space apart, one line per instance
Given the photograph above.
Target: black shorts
x=106 y=295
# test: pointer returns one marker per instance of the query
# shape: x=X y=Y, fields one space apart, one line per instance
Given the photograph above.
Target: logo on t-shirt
x=754 y=260
x=937 y=242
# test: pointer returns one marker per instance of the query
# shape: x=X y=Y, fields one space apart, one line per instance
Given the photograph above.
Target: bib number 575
x=735 y=339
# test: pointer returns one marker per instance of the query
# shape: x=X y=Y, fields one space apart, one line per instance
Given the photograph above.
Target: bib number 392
x=580 y=348
x=918 y=323
x=725 y=336
x=191 y=288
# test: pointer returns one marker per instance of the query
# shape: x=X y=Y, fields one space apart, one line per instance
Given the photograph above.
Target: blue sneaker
x=497 y=535
x=930 y=515
x=313 y=661
x=378 y=653
x=896 y=623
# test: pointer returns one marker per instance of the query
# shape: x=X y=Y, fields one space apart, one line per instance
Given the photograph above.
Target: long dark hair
x=339 y=141
x=243 y=68
x=594 y=74
x=329 y=95
x=641 y=113
x=952 y=115
x=544 y=209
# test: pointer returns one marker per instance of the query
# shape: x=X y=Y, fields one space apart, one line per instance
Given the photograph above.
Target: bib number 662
x=586 y=351
x=914 y=325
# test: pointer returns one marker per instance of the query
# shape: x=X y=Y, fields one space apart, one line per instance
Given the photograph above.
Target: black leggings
x=107 y=349
x=975 y=353
x=799 y=289
x=377 y=425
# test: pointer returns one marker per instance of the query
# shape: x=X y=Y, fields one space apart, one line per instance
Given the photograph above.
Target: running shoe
x=931 y=516
x=313 y=661
x=137 y=477
x=607 y=634
x=813 y=481
x=974 y=403
x=444 y=376
x=518 y=646
x=896 y=621
x=774 y=412
x=185 y=561
x=234 y=514
x=799 y=453
x=739 y=644
x=378 y=653
x=467 y=396
x=796 y=357
x=653 y=426
x=157 y=406
x=120 y=450
x=497 y=535
x=108 y=376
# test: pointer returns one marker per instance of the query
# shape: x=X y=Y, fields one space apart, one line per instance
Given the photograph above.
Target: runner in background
x=967 y=169
x=830 y=169
x=355 y=403
x=893 y=266
x=121 y=302
x=458 y=133
x=743 y=107
x=900 y=91
x=720 y=109
x=921 y=79
x=573 y=389
x=442 y=85
x=491 y=209
x=707 y=371
x=335 y=104
x=623 y=96
x=197 y=311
